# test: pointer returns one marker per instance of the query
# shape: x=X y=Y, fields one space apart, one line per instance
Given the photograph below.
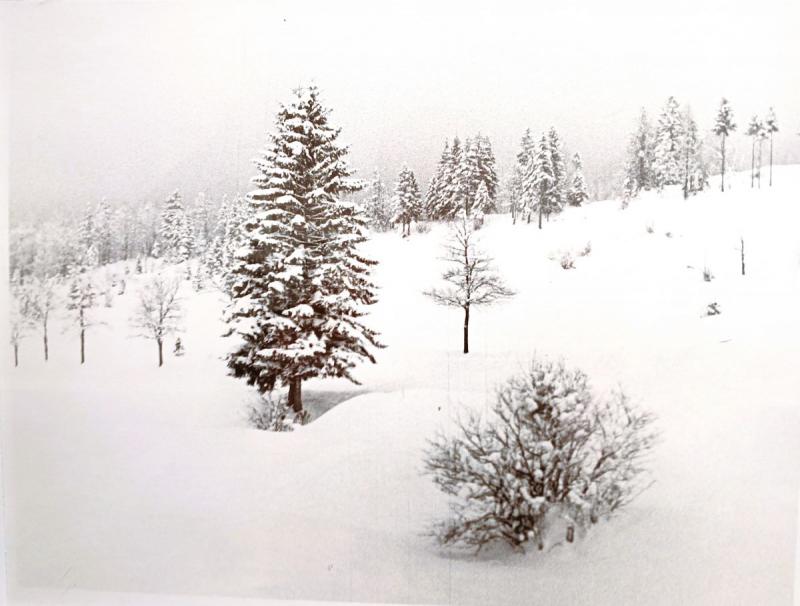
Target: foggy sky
x=131 y=100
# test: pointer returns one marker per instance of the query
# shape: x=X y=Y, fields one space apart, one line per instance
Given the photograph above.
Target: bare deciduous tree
x=19 y=317
x=159 y=311
x=81 y=298
x=471 y=277
x=43 y=301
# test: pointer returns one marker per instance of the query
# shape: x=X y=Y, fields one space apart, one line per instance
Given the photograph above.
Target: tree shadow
x=318 y=402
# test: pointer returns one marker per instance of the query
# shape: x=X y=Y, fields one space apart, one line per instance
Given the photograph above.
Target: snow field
x=121 y=476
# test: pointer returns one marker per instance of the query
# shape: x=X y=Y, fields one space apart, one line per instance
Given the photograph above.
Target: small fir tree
x=577 y=192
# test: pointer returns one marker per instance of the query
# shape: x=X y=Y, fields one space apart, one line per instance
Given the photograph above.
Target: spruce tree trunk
x=540 y=215
x=45 y=343
x=83 y=356
x=466 y=329
x=723 y=162
x=296 y=394
x=160 y=352
x=16 y=354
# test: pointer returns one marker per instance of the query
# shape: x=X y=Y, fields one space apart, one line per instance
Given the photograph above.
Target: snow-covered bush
x=707 y=275
x=586 y=250
x=567 y=262
x=422 y=227
x=478 y=219
x=650 y=229
x=270 y=414
x=712 y=309
x=549 y=448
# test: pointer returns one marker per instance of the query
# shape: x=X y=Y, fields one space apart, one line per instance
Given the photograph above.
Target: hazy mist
x=131 y=100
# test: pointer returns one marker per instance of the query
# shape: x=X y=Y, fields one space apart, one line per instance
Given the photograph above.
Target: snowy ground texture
x=121 y=476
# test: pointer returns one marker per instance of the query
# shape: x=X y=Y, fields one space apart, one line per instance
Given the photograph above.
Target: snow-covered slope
x=121 y=476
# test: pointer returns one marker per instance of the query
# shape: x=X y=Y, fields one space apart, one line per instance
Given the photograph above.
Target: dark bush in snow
x=586 y=250
x=549 y=449
x=567 y=262
x=707 y=275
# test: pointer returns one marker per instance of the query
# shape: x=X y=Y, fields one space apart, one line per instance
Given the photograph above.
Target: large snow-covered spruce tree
x=299 y=283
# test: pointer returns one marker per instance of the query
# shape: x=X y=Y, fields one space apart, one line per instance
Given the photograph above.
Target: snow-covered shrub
x=668 y=234
x=586 y=250
x=712 y=309
x=650 y=229
x=567 y=262
x=478 y=219
x=707 y=275
x=422 y=227
x=270 y=414
x=548 y=449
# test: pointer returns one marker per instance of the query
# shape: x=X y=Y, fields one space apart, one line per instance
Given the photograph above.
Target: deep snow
x=121 y=476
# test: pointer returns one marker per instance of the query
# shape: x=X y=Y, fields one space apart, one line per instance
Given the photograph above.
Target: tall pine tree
x=377 y=204
x=577 y=192
x=668 y=150
x=695 y=176
x=771 y=127
x=753 y=131
x=406 y=202
x=558 y=196
x=641 y=157
x=723 y=127
x=299 y=283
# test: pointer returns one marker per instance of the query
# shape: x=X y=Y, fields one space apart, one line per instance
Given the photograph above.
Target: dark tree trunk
x=83 y=351
x=45 y=343
x=16 y=355
x=540 y=215
x=723 y=162
x=741 y=248
x=466 y=329
x=160 y=352
x=296 y=394
x=770 y=159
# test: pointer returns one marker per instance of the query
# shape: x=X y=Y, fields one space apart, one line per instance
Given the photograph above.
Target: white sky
x=134 y=99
